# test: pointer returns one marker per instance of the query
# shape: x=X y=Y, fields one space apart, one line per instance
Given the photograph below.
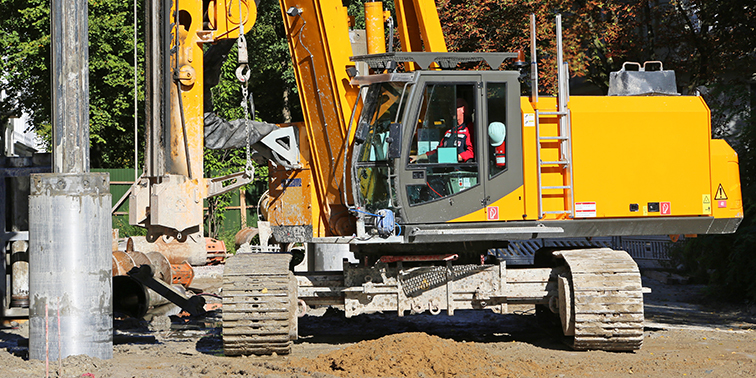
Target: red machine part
x=182 y=274
x=216 y=251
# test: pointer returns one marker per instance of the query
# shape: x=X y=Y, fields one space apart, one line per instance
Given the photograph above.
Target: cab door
x=502 y=151
x=438 y=179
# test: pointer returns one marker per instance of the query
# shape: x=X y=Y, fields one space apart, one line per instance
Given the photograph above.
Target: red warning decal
x=585 y=209
x=666 y=208
x=492 y=212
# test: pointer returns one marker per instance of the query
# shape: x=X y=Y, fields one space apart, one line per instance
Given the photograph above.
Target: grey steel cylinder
x=330 y=257
x=70 y=277
x=19 y=274
x=70 y=86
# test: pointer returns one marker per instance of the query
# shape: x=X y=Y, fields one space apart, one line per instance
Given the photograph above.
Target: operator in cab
x=457 y=136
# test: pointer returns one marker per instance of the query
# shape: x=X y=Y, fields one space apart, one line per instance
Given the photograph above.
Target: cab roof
x=445 y=60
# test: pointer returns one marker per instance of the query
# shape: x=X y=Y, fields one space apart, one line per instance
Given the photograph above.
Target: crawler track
x=607 y=300
x=259 y=304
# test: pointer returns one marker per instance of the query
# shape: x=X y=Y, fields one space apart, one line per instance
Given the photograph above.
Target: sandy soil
x=683 y=338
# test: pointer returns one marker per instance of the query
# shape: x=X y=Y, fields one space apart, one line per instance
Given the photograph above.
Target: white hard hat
x=496 y=133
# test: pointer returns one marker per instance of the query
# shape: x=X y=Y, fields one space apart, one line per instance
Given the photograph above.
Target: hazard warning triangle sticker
x=721 y=195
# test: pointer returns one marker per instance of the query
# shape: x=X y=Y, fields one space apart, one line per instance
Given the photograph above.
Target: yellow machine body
x=627 y=152
x=640 y=150
x=632 y=156
x=647 y=149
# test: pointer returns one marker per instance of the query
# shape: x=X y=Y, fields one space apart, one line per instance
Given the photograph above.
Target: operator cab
x=435 y=146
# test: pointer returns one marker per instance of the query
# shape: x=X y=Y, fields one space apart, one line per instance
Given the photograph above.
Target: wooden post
x=243 y=207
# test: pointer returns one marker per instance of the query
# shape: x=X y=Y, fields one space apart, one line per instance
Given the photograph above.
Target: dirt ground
x=684 y=338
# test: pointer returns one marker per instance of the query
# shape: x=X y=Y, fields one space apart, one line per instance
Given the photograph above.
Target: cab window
x=496 y=128
x=382 y=107
x=384 y=104
x=443 y=143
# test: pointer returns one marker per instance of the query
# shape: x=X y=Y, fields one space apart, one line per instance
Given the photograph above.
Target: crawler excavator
x=375 y=165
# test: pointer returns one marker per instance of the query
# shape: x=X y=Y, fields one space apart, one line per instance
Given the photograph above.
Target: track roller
x=259 y=304
x=601 y=300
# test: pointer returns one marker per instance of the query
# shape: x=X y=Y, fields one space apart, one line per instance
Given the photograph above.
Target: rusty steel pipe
x=129 y=297
x=176 y=252
x=19 y=274
x=132 y=298
x=160 y=266
x=245 y=235
x=122 y=263
x=139 y=258
x=181 y=274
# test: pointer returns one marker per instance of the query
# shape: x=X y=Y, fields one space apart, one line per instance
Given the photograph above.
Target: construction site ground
x=685 y=336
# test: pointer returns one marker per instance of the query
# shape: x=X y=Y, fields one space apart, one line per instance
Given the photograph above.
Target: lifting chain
x=243 y=74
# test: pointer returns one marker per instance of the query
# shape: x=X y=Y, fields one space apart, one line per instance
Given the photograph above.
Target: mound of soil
x=406 y=355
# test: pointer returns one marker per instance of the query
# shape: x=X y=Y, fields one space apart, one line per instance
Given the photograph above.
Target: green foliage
x=25 y=79
x=111 y=82
x=221 y=163
x=728 y=262
x=25 y=45
x=598 y=36
x=272 y=82
x=228 y=237
x=706 y=41
x=356 y=9
x=710 y=46
x=125 y=229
